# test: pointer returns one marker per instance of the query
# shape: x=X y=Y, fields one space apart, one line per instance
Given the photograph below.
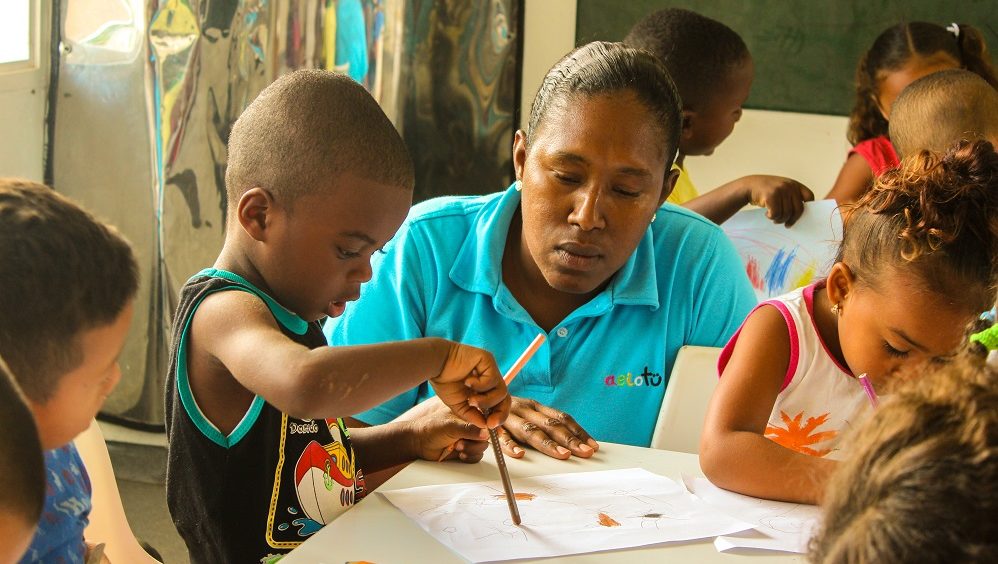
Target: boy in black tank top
x=317 y=181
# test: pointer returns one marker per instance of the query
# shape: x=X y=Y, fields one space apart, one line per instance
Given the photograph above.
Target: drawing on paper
x=518 y=496
x=779 y=259
x=473 y=519
x=607 y=521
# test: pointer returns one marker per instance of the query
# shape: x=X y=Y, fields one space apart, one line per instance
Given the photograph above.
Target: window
x=16 y=34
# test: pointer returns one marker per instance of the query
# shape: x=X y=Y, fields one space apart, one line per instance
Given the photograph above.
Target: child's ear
x=839 y=283
x=669 y=184
x=880 y=107
x=519 y=152
x=255 y=210
x=689 y=116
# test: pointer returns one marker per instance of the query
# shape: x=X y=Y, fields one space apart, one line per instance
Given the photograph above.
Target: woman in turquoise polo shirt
x=580 y=248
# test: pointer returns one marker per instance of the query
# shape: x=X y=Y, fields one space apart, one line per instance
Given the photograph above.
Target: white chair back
x=680 y=420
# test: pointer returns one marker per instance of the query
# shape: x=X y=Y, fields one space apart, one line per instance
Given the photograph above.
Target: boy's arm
x=426 y=437
x=782 y=197
x=398 y=296
x=108 y=523
x=429 y=431
x=853 y=181
x=237 y=330
x=734 y=452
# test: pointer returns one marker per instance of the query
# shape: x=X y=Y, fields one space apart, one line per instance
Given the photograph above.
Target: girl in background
x=899 y=56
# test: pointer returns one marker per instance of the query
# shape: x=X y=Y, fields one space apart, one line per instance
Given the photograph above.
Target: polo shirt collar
x=478 y=265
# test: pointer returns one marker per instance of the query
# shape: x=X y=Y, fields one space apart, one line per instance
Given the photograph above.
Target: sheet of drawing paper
x=779 y=259
x=562 y=514
x=787 y=527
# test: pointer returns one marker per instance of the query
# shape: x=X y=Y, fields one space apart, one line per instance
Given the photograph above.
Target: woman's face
x=592 y=179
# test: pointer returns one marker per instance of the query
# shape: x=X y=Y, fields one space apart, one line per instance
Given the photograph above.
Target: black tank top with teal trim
x=263 y=489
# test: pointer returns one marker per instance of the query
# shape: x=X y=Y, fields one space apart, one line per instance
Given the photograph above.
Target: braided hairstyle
x=600 y=68
x=936 y=217
x=895 y=47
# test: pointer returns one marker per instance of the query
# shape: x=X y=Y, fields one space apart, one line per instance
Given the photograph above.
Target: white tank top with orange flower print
x=820 y=399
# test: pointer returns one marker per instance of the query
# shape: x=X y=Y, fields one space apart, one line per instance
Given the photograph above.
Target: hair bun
x=946 y=199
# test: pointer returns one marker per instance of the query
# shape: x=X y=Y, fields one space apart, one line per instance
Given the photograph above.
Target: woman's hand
x=548 y=430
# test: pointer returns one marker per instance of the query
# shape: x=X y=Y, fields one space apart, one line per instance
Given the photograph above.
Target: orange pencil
x=518 y=365
x=510 y=374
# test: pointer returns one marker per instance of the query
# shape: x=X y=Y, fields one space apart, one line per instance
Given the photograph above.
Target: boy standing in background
x=713 y=71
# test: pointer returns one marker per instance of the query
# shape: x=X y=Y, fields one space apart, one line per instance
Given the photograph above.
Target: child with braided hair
x=916 y=265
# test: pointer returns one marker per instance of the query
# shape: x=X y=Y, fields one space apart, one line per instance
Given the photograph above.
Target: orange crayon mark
x=607 y=521
x=518 y=496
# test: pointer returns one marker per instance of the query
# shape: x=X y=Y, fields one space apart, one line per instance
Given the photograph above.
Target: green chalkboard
x=805 y=51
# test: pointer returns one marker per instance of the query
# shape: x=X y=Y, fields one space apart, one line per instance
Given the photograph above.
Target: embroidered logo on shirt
x=646 y=378
x=798 y=438
x=308 y=426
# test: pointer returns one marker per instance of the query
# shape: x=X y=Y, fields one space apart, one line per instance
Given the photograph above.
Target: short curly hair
x=922 y=482
x=307 y=128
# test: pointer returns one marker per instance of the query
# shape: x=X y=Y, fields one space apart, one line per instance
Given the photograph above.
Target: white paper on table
x=758 y=541
x=562 y=514
x=788 y=527
x=778 y=259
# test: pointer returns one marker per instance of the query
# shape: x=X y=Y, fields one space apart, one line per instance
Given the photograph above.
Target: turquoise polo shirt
x=606 y=364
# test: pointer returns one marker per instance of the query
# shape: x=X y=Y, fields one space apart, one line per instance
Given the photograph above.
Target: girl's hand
x=469 y=383
x=439 y=435
x=553 y=432
x=782 y=197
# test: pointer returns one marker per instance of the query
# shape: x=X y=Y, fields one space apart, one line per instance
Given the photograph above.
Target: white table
x=375 y=531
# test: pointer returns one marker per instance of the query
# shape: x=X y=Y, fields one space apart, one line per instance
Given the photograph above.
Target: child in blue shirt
x=67 y=284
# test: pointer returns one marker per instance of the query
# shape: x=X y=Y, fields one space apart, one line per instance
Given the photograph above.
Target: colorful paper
x=779 y=259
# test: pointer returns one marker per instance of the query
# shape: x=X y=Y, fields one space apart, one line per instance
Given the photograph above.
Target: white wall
x=807 y=147
x=22 y=107
x=548 y=35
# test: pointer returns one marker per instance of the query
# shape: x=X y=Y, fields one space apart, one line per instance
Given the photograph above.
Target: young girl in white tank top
x=916 y=266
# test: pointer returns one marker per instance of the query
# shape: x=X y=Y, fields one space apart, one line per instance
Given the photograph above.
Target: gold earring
x=836 y=309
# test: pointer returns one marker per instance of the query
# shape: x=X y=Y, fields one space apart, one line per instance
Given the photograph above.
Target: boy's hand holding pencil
x=469 y=383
